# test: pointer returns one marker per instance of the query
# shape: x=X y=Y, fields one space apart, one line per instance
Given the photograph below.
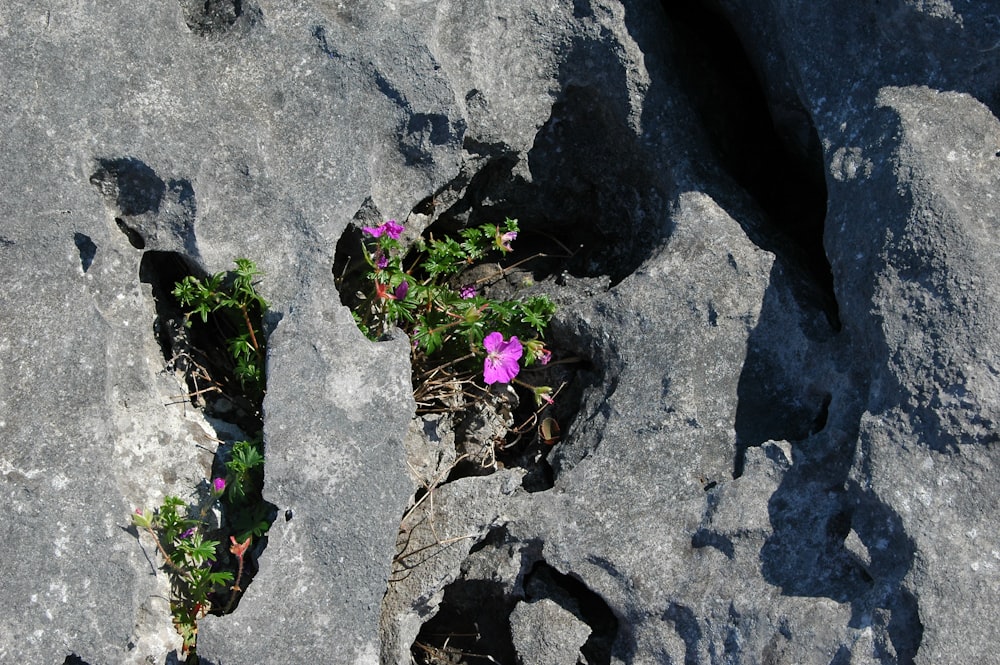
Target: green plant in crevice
x=190 y=560
x=441 y=291
x=450 y=319
x=203 y=578
x=235 y=296
x=246 y=509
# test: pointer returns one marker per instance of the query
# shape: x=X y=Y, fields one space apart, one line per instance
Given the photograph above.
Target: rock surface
x=780 y=445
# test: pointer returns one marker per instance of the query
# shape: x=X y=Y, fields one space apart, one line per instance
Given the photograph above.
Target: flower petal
x=497 y=370
x=393 y=229
x=492 y=342
x=511 y=349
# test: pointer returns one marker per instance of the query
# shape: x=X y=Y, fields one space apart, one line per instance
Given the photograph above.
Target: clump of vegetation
x=233 y=296
x=463 y=340
x=190 y=559
x=204 y=576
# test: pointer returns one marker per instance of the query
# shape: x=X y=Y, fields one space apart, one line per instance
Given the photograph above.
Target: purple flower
x=382 y=291
x=218 y=485
x=390 y=228
x=401 y=290
x=503 y=240
x=501 y=365
x=468 y=292
x=187 y=534
x=381 y=261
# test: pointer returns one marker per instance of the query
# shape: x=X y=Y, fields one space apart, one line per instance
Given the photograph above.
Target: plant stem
x=253 y=336
x=438 y=368
x=163 y=552
x=236 y=585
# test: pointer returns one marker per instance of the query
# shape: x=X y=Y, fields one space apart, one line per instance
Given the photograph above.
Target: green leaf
x=220 y=578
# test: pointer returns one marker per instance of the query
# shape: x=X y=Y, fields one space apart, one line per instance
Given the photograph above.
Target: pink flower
x=501 y=365
x=390 y=228
x=468 y=292
x=218 y=486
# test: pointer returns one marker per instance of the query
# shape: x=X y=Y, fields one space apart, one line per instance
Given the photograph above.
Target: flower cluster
x=391 y=229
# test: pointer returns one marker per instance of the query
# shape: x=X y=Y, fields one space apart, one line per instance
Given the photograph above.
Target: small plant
x=190 y=560
x=452 y=323
x=232 y=294
x=246 y=510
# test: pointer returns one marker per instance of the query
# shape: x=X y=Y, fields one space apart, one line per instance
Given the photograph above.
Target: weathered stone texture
x=781 y=445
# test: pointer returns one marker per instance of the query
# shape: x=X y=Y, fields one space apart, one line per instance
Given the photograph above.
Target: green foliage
x=249 y=515
x=230 y=302
x=433 y=311
x=234 y=296
x=426 y=292
x=246 y=470
x=252 y=522
x=189 y=559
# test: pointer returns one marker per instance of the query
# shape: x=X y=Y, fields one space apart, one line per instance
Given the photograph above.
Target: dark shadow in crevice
x=779 y=163
x=587 y=184
x=783 y=393
x=73 y=659
x=570 y=593
x=473 y=621
x=472 y=624
x=86 y=248
x=608 y=212
x=198 y=349
x=134 y=236
x=215 y=18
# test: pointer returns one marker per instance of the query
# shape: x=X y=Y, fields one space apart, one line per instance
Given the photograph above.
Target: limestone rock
x=776 y=239
x=543 y=632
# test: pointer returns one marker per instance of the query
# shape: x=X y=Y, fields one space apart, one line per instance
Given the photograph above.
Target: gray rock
x=435 y=538
x=336 y=415
x=780 y=444
x=171 y=139
x=545 y=633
